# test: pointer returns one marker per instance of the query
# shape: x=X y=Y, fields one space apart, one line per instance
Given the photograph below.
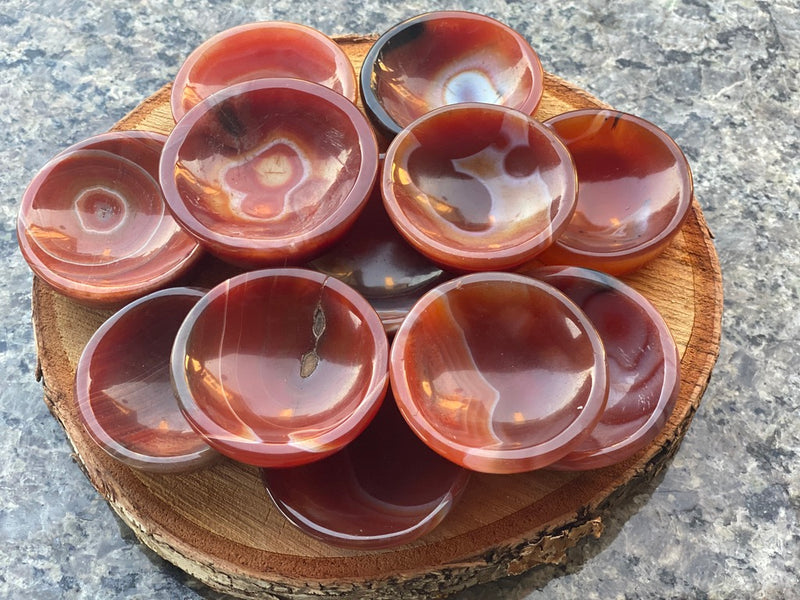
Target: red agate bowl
x=122 y=386
x=384 y=489
x=258 y=51
x=634 y=191
x=447 y=57
x=643 y=366
x=478 y=187
x=93 y=222
x=498 y=372
x=280 y=367
x=269 y=172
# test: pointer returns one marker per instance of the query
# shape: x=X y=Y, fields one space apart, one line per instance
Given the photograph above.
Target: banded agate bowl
x=280 y=367
x=447 y=57
x=634 y=191
x=257 y=51
x=122 y=386
x=498 y=372
x=384 y=489
x=93 y=222
x=269 y=172
x=375 y=260
x=478 y=186
x=643 y=366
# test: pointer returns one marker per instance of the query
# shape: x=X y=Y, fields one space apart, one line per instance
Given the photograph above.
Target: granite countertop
x=721 y=78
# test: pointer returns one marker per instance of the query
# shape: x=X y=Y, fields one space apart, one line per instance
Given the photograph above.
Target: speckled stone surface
x=722 y=78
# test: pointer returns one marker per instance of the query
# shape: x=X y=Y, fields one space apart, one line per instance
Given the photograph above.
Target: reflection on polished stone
x=261 y=50
x=93 y=222
x=270 y=172
x=643 y=366
x=443 y=58
x=280 y=367
x=384 y=489
x=634 y=191
x=478 y=187
x=499 y=372
x=123 y=391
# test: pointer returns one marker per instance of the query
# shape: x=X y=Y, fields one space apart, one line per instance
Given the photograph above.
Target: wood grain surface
x=218 y=524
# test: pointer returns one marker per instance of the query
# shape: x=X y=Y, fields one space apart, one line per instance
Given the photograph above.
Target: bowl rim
x=490 y=460
x=374 y=107
x=686 y=195
x=85 y=407
x=83 y=288
x=465 y=259
x=271 y=454
x=345 y=71
x=248 y=246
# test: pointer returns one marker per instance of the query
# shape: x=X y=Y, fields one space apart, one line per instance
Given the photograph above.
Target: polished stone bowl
x=478 y=186
x=257 y=51
x=269 y=172
x=643 y=366
x=93 y=222
x=634 y=191
x=280 y=367
x=499 y=372
x=384 y=489
x=445 y=57
x=123 y=392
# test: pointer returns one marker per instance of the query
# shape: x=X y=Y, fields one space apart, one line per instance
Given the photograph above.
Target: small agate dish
x=384 y=489
x=498 y=372
x=447 y=57
x=280 y=367
x=93 y=222
x=373 y=258
x=258 y=51
x=634 y=191
x=123 y=392
x=643 y=366
x=478 y=186
x=269 y=172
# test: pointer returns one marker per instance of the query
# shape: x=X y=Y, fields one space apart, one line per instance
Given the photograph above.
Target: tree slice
x=219 y=525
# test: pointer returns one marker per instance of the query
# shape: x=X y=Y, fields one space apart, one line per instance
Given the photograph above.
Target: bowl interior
x=123 y=385
x=260 y=50
x=268 y=161
x=477 y=179
x=634 y=186
x=95 y=220
x=498 y=372
x=453 y=57
x=643 y=365
x=282 y=359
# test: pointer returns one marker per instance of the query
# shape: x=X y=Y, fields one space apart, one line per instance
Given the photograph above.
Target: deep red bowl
x=644 y=368
x=384 y=489
x=634 y=191
x=498 y=372
x=280 y=367
x=93 y=222
x=257 y=51
x=269 y=172
x=478 y=187
x=123 y=392
x=446 y=57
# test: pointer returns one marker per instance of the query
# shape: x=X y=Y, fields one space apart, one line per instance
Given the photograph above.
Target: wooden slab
x=219 y=525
